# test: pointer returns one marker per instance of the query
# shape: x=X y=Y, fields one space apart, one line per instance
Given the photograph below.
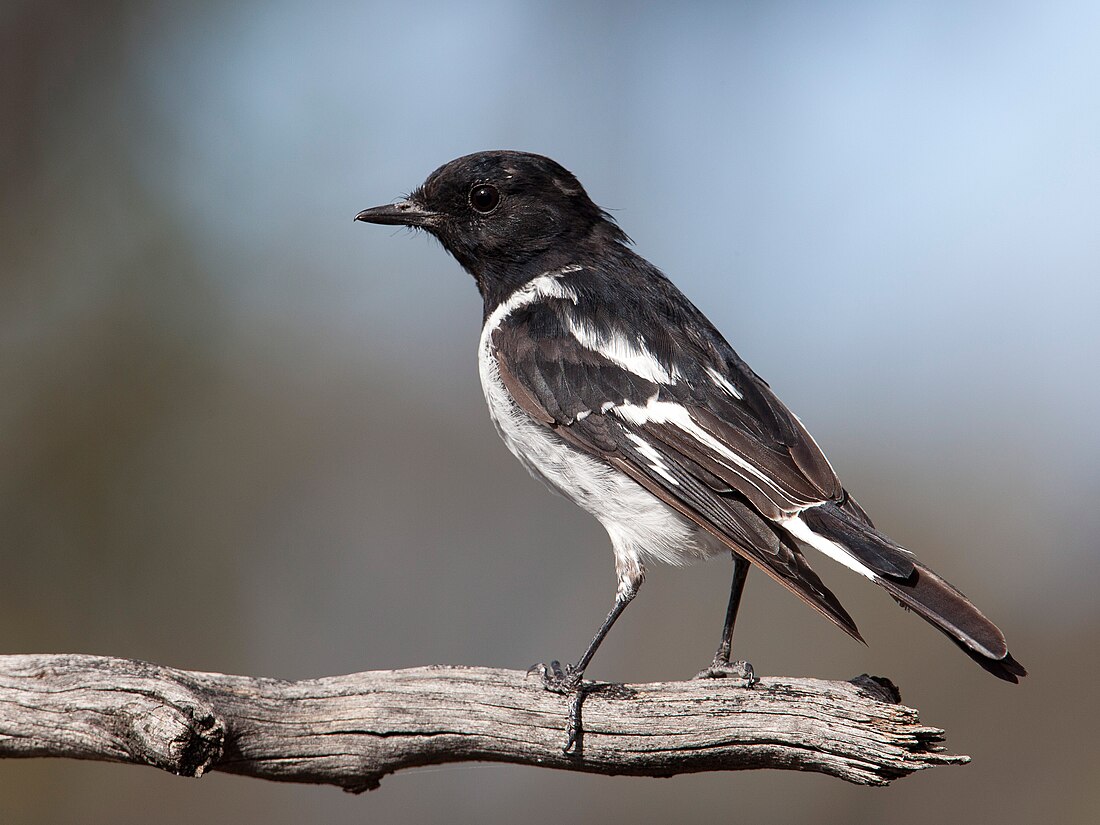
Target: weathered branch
x=353 y=730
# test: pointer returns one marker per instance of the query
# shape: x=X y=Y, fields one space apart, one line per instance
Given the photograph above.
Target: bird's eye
x=484 y=198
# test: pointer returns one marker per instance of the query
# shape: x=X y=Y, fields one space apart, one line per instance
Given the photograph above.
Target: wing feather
x=575 y=391
x=687 y=420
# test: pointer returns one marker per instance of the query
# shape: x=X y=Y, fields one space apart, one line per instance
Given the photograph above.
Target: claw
x=560 y=680
x=725 y=670
x=566 y=681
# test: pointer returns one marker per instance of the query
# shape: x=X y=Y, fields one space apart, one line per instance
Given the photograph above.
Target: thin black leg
x=568 y=680
x=740 y=573
x=616 y=610
x=721 y=666
x=565 y=681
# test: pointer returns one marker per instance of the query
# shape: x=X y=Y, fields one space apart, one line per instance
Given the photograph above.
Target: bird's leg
x=737 y=587
x=567 y=681
x=722 y=667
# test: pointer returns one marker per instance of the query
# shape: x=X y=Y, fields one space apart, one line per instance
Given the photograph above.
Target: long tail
x=912 y=585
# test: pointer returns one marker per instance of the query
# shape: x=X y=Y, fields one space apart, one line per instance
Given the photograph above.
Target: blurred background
x=240 y=433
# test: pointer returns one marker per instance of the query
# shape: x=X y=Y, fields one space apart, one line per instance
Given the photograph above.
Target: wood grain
x=353 y=730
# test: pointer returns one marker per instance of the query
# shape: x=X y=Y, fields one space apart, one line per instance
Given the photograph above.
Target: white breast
x=641 y=527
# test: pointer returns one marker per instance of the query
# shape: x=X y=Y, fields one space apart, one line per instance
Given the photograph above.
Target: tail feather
x=940 y=604
x=918 y=588
x=853 y=531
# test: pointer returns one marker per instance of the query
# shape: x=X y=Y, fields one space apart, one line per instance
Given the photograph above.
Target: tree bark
x=352 y=730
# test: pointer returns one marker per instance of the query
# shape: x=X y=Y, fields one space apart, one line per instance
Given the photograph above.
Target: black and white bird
x=611 y=386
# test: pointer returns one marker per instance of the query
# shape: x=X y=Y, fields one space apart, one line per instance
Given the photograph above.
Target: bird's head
x=497 y=212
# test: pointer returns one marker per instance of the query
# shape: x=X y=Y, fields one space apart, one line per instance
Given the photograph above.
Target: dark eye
x=484 y=198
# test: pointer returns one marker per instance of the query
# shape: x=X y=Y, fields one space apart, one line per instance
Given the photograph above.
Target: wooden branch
x=353 y=730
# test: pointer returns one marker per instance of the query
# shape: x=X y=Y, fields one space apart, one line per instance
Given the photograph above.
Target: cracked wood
x=352 y=730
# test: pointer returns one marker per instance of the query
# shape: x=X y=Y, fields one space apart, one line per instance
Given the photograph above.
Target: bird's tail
x=915 y=586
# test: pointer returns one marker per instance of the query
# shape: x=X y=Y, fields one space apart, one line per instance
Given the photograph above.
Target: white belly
x=642 y=527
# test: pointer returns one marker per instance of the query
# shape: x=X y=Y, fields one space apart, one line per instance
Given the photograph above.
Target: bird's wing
x=727 y=455
x=682 y=415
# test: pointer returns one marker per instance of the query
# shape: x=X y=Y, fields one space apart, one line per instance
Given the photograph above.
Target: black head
x=500 y=213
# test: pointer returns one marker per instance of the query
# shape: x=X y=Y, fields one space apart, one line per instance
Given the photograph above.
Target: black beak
x=402 y=213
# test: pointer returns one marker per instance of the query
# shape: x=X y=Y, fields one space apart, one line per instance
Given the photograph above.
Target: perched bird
x=611 y=386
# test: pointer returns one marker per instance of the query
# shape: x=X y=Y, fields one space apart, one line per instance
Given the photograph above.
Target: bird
x=611 y=386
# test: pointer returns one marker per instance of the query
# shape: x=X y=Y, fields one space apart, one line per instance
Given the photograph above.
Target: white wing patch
x=624 y=353
x=546 y=285
x=656 y=461
x=801 y=531
x=723 y=383
x=668 y=412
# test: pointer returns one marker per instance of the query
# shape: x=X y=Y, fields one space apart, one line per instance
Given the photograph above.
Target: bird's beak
x=401 y=213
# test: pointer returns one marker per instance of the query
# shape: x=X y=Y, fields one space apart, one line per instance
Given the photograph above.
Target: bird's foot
x=566 y=681
x=555 y=678
x=725 y=669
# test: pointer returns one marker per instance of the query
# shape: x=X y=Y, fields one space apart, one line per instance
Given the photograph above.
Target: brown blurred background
x=240 y=433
